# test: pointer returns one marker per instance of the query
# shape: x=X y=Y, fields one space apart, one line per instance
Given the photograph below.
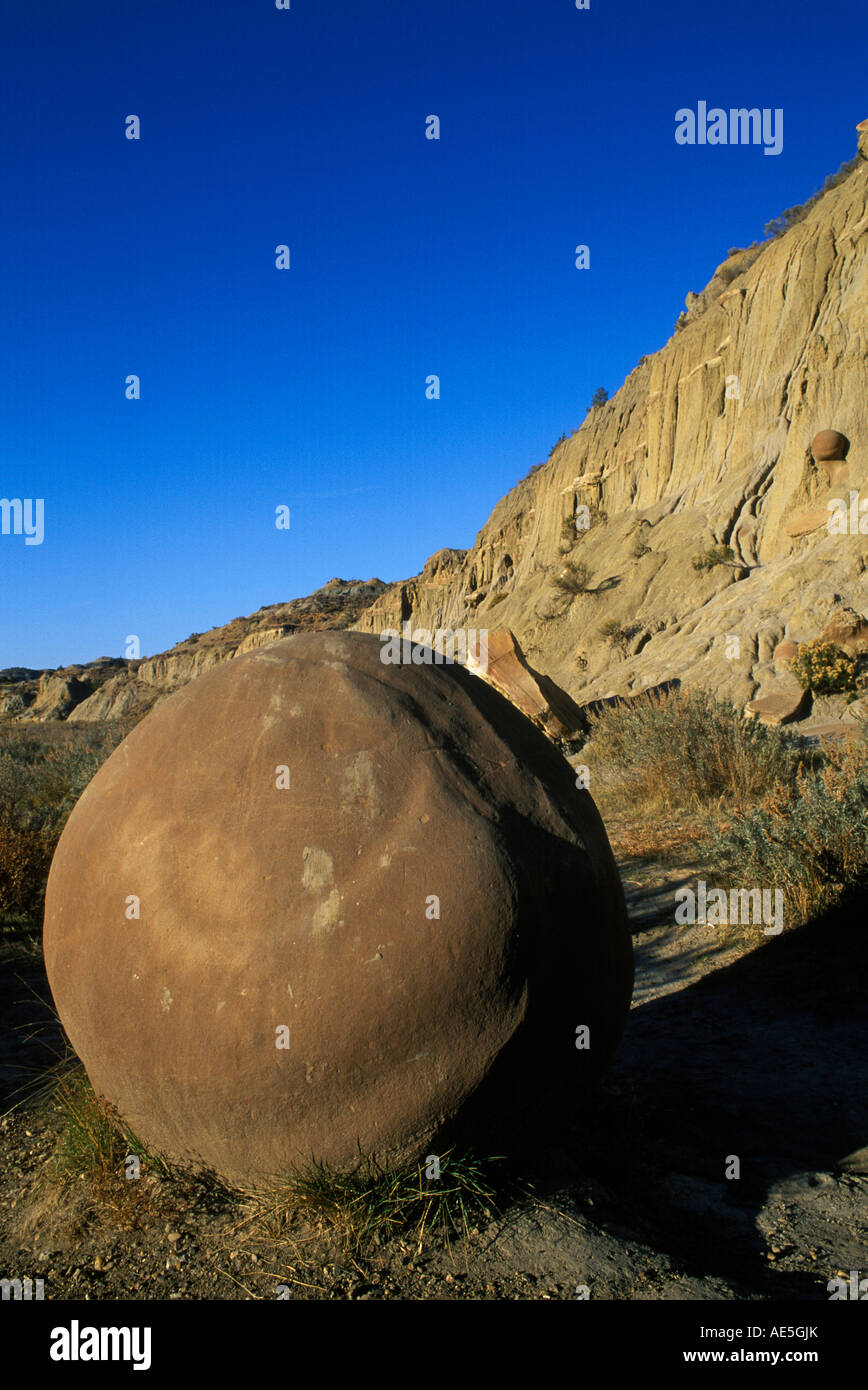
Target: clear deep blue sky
x=306 y=387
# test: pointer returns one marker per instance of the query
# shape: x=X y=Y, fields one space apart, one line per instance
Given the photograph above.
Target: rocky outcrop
x=112 y=688
x=711 y=442
x=316 y=907
x=49 y=695
x=781 y=708
x=538 y=697
x=846 y=630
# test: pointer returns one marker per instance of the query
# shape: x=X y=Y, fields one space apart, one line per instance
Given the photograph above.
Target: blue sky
x=408 y=257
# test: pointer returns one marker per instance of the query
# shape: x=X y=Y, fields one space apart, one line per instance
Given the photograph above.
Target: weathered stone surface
x=846 y=629
x=312 y=907
x=856 y=711
x=56 y=697
x=538 y=697
x=829 y=730
x=803 y=523
x=837 y=471
x=857 y=1161
x=120 y=697
x=779 y=709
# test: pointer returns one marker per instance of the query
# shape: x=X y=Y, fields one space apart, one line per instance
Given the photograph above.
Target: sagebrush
x=680 y=747
x=808 y=836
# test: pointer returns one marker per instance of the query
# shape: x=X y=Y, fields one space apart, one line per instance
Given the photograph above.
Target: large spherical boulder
x=315 y=906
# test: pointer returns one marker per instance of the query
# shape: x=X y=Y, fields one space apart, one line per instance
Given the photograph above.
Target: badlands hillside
x=706 y=445
x=680 y=534
x=113 y=688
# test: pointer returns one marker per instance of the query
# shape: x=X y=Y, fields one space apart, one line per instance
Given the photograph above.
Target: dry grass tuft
x=99 y=1156
x=369 y=1204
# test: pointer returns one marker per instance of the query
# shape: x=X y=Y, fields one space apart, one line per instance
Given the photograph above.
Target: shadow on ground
x=31 y=1038
x=763 y=1060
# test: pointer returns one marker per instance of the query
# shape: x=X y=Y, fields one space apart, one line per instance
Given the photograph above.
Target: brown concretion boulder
x=830 y=448
x=315 y=908
x=785 y=651
x=829 y=445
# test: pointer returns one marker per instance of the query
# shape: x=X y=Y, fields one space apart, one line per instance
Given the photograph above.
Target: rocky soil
x=740 y=1047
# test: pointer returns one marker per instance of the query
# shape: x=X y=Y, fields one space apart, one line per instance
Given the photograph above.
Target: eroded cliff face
x=707 y=443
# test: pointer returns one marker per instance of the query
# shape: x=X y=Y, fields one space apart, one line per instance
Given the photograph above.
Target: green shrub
x=824 y=669
x=44 y=770
x=718 y=555
x=92 y=1151
x=689 y=747
x=616 y=635
x=575 y=578
x=809 y=836
x=790 y=216
x=569 y=535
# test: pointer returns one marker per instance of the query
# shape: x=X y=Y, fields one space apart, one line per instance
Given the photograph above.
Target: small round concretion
x=317 y=906
x=829 y=445
x=785 y=651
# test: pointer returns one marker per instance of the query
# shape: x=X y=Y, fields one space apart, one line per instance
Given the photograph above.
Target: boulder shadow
x=764 y=1060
